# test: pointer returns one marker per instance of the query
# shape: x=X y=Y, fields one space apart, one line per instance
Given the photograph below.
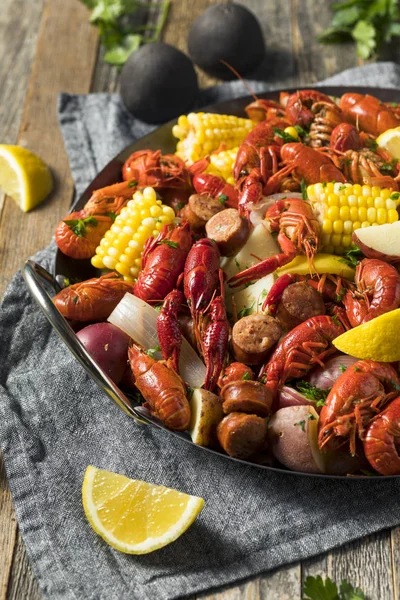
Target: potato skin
x=108 y=345
x=206 y=413
x=371 y=253
x=288 y=442
x=242 y=435
x=250 y=397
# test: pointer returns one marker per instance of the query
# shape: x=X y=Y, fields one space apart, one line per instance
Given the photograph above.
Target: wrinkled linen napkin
x=54 y=421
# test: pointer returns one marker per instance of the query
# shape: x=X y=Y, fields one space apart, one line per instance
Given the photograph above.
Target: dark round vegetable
x=229 y=32
x=158 y=83
x=108 y=345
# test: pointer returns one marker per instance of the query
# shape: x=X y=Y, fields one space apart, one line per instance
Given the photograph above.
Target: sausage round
x=250 y=397
x=229 y=230
x=253 y=338
x=299 y=302
x=199 y=209
x=242 y=435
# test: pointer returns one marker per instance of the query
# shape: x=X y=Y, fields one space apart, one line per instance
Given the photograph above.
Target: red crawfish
x=382 y=439
x=345 y=137
x=299 y=233
x=92 y=300
x=303 y=347
x=201 y=275
x=168 y=331
x=214 y=186
x=162 y=389
x=300 y=104
x=368 y=113
x=355 y=398
x=163 y=260
x=378 y=291
x=215 y=338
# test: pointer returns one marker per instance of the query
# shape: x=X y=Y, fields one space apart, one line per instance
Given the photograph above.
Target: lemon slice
x=133 y=516
x=390 y=141
x=322 y=263
x=24 y=176
x=375 y=340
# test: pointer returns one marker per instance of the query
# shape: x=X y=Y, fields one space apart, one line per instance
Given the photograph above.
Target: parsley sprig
x=352 y=257
x=119 y=33
x=368 y=23
x=311 y=392
x=315 y=588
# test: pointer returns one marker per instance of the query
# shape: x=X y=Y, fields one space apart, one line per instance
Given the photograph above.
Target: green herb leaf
x=348 y=592
x=132 y=183
x=311 y=392
x=303 y=188
x=79 y=226
x=317 y=589
x=302 y=424
x=286 y=137
x=169 y=243
x=352 y=257
x=223 y=198
x=246 y=311
x=180 y=205
x=342 y=367
x=152 y=351
x=302 y=132
x=246 y=376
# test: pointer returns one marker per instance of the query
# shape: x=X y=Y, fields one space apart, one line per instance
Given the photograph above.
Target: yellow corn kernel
x=346 y=240
x=365 y=224
x=353 y=213
x=362 y=213
x=366 y=190
x=122 y=269
x=381 y=216
x=336 y=239
x=379 y=202
x=352 y=200
x=385 y=194
x=97 y=262
x=344 y=200
x=333 y=213
x=370 y=202
x=393 y=215
x=338 y=226
x=362 y=201
x=333 y=200
x=356 y=225
x=327 y=226
x=371 y=215
x=375 y=191
x=344 y=212
x=348 y=227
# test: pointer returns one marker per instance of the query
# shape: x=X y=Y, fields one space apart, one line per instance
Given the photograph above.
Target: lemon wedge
x=375 y=340
x=390 y=141
x=133 y=516
x=24 y=176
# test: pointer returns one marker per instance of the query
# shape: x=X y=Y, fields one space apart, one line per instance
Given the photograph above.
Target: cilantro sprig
x=368 y=23
x=315 y=588
x=119 y=33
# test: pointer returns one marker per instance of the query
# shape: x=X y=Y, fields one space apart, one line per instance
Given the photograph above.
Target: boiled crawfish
x=214 y=186
x=301 y=106
x=168 y=330
x=382 y=439
x=163 y=261
x=92 y=300
x=303 y=347
x=368 y=113
x=149 y=168
x=358 y=395
x=299 y=233
x=161 y=387
x=378 y=291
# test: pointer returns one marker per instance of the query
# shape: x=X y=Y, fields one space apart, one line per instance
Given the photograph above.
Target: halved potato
x=207 y=412
x=379 y=241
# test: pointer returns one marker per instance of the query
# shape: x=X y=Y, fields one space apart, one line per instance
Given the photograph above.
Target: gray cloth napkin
x=54 y=421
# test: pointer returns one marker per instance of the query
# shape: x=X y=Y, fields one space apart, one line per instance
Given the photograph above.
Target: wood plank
x=366 y=563
x=23 y=583
x=395 y=566
x=19 y=26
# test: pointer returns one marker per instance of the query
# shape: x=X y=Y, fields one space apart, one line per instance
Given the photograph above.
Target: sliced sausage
x=242 y=435
x=229 y=230
x=199 y=209
x=299 y=302
x=253 y=337
x=247 y=396
x=236 y=371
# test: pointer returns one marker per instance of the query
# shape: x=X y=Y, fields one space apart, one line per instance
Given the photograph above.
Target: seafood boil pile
x=234 y=271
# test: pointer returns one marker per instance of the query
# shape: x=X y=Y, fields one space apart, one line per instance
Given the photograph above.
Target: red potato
x=380 y=241
x=108 y=345
x=292 y=436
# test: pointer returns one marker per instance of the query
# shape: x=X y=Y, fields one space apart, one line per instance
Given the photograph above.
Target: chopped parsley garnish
x=246 y=311
x=132 y=183
x=352 y=257
x=223 y=198
x=302 y=424
x=311 y=392
x=169 y=243
x=152 y=351
x=286 y=137
x=303 y=188
x=342 y=367
x=246 y=376
x=79 y=226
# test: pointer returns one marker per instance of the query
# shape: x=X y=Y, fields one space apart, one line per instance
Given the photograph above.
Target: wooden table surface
x=48 y=46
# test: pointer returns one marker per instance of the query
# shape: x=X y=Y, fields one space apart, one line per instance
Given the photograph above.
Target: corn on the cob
x=343 y=207
x=122 y=245
x=221 y=164
x=200 y=134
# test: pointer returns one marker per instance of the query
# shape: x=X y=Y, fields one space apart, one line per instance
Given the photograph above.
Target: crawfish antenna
x=239 y=77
